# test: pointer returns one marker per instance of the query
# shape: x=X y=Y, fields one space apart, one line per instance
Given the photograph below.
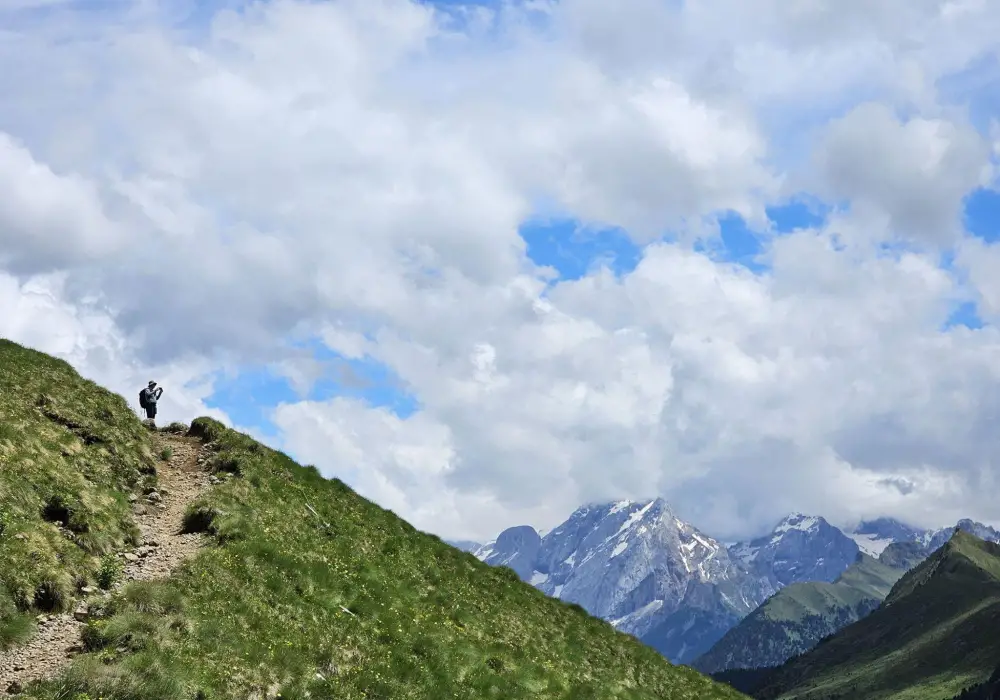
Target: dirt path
x=162 y=548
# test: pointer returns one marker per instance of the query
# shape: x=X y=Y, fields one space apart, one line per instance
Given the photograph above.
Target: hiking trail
x=159 y=516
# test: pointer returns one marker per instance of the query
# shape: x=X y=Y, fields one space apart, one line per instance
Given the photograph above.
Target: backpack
x=142 y=399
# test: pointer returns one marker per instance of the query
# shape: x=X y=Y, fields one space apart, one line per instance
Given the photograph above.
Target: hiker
x=148 y=398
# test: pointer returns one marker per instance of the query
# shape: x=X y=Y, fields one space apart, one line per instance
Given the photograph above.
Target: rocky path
x=162 y=548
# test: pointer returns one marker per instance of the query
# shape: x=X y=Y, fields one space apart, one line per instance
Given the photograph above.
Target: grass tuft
x=16 y=627
x=110 y=571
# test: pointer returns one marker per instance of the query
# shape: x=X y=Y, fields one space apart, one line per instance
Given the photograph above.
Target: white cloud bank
x=187 y=191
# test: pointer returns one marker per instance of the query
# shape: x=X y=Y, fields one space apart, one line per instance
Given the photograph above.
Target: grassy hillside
x=308 y=590
x=69 y=453
x=990 y=690
x=798 y=616
x=935 y=634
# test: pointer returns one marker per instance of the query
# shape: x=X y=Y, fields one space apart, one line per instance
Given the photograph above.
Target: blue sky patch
x=366 y=379
x=573 y=250
x=249 y=396
x=965 y=314
x=800 y=212
x=982 y=214
x=738 y=243
x=977 y=87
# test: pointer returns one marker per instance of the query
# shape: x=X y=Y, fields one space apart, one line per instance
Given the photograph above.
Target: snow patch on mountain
x=538 y=578
x=873 y=536
x=639 y=621
x=796 y=521
x=872 y=545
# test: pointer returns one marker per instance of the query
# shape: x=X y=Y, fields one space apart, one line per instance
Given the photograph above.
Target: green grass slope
x=797 y=617
x=69 y=453
x=989 y=690
x=307 y=590
x=935 y=634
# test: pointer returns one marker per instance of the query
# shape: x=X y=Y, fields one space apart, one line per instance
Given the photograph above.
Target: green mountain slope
x=990 y=690
x=69 y=453
x=798 y=616
x=308 y=590
x=935 y=634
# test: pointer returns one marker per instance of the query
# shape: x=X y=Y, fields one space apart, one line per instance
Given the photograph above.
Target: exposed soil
x=162 y=548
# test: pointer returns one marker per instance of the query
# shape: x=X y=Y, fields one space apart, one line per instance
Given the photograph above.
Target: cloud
x=193 y=190
x=914 y=174
x=48 y=221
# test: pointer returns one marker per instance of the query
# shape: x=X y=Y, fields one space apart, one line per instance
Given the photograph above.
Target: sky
x=488 y=262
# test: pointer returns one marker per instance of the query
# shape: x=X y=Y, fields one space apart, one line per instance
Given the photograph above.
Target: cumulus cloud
x=47 y=220
x=915 y=174
x=356 y=171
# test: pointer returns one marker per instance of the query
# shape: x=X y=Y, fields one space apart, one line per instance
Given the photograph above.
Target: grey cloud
x=48 y=220
x=916 y=172
x=903 y=485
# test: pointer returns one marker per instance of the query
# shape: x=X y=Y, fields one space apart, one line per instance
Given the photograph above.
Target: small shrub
x=110 y=571
x=151 y=597
x=229 y=464
x=166 y=453
x=207 y=429
x=130 y=629
x=91 y=679
x=51 y=595
x=495 y=664
x=198 y=519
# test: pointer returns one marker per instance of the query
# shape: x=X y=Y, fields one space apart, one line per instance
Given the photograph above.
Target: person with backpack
x=148 y=398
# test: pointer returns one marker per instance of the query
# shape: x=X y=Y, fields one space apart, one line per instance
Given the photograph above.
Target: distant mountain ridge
x=652 y=575
x=935 y=634
x=800 y=548
x=797 y=617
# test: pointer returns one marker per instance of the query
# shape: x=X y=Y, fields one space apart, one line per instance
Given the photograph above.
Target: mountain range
x=679 y=590
x=933 y=636
x=798 y=616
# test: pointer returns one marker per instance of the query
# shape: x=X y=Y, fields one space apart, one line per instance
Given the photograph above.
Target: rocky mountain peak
x=800 y=548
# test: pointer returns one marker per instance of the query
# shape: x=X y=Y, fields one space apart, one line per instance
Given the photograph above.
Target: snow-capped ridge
x=638 y=565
